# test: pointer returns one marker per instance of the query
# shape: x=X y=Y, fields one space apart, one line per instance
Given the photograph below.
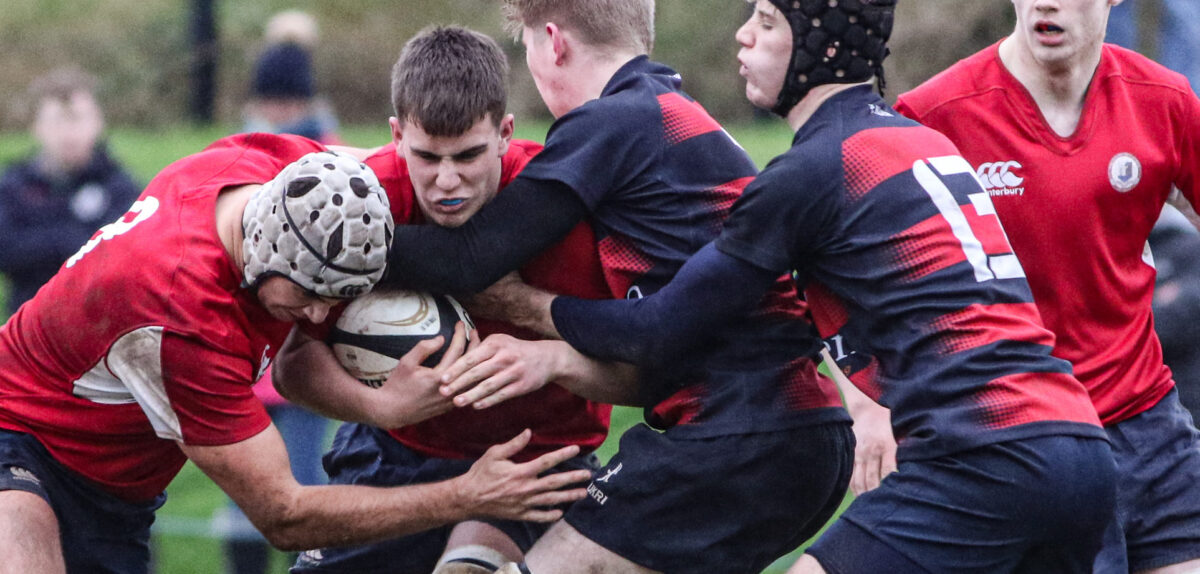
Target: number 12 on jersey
x=980 y=233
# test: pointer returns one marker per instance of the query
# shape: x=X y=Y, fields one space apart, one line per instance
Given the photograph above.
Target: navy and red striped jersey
x=910 y=279
x=658 y=175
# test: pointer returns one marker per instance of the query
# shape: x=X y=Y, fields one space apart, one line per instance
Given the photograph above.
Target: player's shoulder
x=635 y=107
x=522 y=149
x=285 y=147
x=1141 y=73
x=966 y=78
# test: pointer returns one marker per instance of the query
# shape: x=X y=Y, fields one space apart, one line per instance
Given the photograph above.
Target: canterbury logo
x=610 y=473
x=24 y=474
x=999 y=175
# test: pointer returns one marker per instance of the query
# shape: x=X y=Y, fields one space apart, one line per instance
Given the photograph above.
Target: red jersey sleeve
x=209 y=393
x=1189 y=151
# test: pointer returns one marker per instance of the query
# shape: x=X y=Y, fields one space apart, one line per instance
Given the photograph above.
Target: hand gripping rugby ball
x=380 y=327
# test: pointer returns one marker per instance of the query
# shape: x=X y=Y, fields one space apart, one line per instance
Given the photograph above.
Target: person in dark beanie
x=52 y=202
x=283 y=94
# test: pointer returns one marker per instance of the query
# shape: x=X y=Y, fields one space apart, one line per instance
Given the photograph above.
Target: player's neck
x=231 y=203
x=1058 y=88
x=592 y=71
x=805 y=108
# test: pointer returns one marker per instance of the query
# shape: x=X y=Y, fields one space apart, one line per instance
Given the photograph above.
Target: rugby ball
x=377 y=329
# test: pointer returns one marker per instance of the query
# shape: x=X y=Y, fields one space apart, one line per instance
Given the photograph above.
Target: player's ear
x=558 y=42
x=507 y=127
x=397 y=131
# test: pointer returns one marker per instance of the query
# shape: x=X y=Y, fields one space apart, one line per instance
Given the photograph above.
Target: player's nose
x=448 y=177
x=316 y=312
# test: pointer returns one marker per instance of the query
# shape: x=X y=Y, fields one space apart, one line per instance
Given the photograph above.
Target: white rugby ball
x=377 y=329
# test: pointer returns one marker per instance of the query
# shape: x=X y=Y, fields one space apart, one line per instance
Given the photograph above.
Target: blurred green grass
x=184 y=542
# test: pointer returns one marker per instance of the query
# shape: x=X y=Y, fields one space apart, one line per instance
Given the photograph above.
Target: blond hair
x=619 y=24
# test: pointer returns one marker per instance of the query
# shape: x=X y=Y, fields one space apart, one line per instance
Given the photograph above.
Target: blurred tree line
x=141 y=49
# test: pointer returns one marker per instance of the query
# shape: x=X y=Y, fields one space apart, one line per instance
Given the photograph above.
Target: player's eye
x=470 y=154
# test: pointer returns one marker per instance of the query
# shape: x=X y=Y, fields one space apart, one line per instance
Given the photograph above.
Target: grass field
x=184 y=542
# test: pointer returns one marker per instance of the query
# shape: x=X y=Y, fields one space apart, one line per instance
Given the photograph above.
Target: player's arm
x=1186 y=193
x=1179 y=202
x=530 y=216
x=875 y=446
x=503 y=367
x=711 y=289
x=256 y=475
x=307 y=373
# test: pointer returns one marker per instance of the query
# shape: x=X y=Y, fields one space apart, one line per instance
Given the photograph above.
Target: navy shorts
x=1158 y=490
x=362 y=454
x=99 y=532
x=1033 y=505
x=728 y=504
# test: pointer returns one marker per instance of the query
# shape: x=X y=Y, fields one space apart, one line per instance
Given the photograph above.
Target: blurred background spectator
x=283 y=99
x=1167 y=31
x=53 y=201
x=283 y=94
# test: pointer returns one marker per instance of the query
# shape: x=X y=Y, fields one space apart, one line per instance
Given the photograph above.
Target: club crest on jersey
x=1000 y=178
x=1124 y=172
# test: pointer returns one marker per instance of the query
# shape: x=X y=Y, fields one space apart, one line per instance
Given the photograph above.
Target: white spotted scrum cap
x=323 y=222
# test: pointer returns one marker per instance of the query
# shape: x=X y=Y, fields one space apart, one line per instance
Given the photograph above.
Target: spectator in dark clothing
x=283 y=90
x=1176 y=248
x=52 y=202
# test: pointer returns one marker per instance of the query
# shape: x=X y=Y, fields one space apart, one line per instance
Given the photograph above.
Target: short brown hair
x=448 y=78
x=626 y=24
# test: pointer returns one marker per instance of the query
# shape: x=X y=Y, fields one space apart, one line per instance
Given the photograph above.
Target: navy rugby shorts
x=362 y=454
x=1158 y=490
x=728 y=504
x=99 y=532
x=1032 y=505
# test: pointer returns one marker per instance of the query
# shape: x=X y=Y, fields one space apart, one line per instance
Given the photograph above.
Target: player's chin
x=758 y=99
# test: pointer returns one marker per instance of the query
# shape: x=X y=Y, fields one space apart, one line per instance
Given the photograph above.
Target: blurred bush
x=139 y=49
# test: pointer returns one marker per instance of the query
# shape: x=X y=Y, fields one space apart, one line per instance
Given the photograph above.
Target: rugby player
x=1080 y=144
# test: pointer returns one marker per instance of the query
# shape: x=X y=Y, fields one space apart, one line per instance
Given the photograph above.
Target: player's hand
x=875 y=451
x=499 y=368
x=497 y=487
x=411 y=391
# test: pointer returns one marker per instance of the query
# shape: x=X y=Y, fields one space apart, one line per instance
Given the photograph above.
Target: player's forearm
x=711 y=289
x=854 y=399
x=1178 y=201
x=322 y=516
x=307 y=373
x=519 y=223
x=608 y=382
